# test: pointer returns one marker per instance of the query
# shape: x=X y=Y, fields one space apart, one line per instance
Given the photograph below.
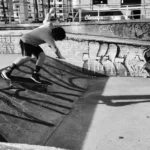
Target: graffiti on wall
x=117 y=60
x=131 y=30
x=9 y=44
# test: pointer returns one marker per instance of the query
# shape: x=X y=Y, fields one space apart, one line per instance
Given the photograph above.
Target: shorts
x=29 y=50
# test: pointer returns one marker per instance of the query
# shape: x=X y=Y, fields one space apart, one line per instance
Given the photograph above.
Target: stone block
x=123 y=50
x=103 y=49
x=109 y=68
x=93 y=49
x=121 y=69
x=112 y=52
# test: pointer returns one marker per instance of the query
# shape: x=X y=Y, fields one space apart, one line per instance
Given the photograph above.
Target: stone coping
x=78 y=23
x=107 y=39
x=106 y=22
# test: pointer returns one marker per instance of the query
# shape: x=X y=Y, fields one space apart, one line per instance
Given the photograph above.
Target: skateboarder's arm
x=58 y=53
x=48 y=16
x=53 y=46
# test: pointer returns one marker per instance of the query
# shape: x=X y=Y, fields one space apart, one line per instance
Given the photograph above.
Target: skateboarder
x=30 y=42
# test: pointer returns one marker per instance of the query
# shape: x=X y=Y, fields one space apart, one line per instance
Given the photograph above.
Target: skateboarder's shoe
x=35 y=77
x=6 y=73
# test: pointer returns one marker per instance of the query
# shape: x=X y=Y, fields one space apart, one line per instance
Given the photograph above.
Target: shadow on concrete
x=118 y=101
x=73 y=132
x=30 y=112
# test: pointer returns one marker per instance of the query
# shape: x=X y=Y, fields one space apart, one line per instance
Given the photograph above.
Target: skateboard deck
x=24 y=83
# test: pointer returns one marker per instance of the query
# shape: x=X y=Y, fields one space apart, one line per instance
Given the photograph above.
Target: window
x=60 y=11
x=29 y=16
x=60 y=5
x=136 y=14
x=129 y=2
x=99 y=2
x=17 y=6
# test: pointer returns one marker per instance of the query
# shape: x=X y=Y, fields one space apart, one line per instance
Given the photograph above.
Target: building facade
x=20 y=8
x=35 y=10
x=140 y=9
x=3 y=11
x=63 y=7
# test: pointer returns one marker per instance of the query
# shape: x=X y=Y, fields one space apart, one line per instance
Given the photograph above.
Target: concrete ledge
x=105 y=22
x=110 y=40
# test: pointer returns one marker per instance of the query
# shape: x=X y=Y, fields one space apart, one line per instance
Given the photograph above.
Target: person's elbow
x=45 y=21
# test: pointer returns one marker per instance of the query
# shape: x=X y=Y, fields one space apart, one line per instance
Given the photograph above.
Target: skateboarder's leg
x=26 y=50
x=22 y=60
x=7 y=72
x=40 y=55
x=41 y=59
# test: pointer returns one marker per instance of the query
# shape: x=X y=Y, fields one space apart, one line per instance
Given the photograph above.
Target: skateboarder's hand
x=61 y=57
x=52 y=10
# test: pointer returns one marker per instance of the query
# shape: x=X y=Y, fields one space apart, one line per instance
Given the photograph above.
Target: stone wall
x=92 y=57
x=103 y=58
x=126 y=30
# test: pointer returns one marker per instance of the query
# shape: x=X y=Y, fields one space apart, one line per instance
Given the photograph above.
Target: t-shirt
x=40 y=35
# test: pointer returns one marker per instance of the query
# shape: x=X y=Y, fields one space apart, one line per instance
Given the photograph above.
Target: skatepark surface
x=75 y=111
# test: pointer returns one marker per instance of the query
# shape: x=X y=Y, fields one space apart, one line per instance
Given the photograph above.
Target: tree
x=36 y=10
x=49 y=6
x=4 y=12
x=43 y=8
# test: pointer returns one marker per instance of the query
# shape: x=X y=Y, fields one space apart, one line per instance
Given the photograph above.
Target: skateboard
x=25 y=83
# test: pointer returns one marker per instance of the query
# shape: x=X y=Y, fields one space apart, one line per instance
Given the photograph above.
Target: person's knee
x=26 y=58
x=42 y=56
x=22 y=60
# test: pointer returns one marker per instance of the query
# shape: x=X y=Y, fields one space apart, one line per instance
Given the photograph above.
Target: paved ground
x=7 y=59
x=78 y=112
x=113 y=114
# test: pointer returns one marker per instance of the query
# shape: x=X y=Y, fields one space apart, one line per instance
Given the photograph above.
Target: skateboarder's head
x=58 y=33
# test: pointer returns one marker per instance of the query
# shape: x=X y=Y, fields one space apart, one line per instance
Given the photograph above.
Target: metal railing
x=128 y=12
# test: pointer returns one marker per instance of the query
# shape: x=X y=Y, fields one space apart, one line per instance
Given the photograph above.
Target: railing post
x=80 y=19
x=9 y=17
x=98 y=14
x=127 y=10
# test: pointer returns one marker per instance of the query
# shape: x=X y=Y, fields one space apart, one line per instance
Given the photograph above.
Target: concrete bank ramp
x=30 y=114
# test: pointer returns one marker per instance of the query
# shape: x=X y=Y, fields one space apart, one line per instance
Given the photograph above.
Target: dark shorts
x=29 y=50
